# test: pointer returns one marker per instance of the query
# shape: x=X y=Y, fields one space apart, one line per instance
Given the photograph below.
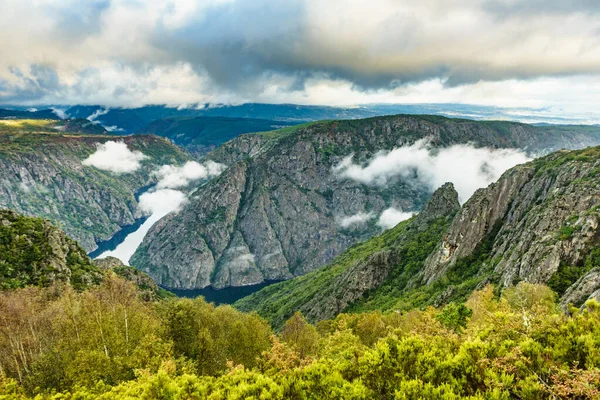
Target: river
x=125 y=242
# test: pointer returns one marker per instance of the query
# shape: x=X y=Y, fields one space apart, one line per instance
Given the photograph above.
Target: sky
x=507 y=53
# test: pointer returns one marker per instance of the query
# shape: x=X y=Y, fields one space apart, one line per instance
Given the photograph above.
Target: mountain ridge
x=280 y=214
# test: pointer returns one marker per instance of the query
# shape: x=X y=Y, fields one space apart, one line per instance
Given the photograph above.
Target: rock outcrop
x=586 y=288
x=537 y=217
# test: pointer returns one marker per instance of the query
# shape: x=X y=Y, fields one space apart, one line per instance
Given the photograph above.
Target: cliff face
x=539 y=219
x=361 y=269
x=41 y=174
x=274 y=214
x=538 y=223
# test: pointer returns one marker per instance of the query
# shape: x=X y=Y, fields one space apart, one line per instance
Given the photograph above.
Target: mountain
x=539 y=223
x=131 y=120
x=199 y=135
x=41 y=174
x=280 y=209
x=394 y=256
x=25 y=114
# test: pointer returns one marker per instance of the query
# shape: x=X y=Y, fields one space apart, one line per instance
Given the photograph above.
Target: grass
x=28 y=125
x=287 y=131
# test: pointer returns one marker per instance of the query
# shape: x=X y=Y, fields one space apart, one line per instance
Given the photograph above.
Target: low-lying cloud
x=59 y=113
x=356 y=219
x=164 y=198
x=115 y=157
x=156 y=204
x=391 y=217
x=171 y=176
x=468 y=167
x=92 y=117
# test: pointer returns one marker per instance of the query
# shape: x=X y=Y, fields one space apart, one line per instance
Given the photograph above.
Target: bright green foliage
x=454 y=316
x=300 y=335
x=210 y=336
x=78 y=346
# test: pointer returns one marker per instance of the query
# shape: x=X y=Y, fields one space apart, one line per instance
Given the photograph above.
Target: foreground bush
x=520 y=346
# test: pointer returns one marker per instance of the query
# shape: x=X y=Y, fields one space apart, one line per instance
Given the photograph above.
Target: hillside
x=200 y=135
x=76 y=126
x=33 y=252
x=276 y=212
x=41 y=174
x=538 y=224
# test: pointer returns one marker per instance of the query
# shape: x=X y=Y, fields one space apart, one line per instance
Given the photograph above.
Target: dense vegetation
x=108 y=343
x=33 y=252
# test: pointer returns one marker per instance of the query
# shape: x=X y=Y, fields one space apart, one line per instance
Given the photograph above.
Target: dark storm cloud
x=131 y=49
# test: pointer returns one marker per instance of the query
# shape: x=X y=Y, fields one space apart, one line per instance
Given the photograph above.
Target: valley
x=284 y=207
x=299 y=200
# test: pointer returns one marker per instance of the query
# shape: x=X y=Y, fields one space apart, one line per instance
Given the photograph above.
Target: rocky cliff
x=538 y=223
x=41 y=174
x=275 y=213
x=386 y=262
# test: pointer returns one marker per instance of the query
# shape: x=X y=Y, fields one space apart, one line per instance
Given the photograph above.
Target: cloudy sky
x=514 y=53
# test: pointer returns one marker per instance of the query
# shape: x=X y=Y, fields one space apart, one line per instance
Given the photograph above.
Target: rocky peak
x=443 y=202
x=538 y=221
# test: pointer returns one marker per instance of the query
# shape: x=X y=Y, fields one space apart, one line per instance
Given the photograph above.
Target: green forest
x=107 y=342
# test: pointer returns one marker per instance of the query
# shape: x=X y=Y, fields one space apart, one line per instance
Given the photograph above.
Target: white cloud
x=391 y=217
x=356 y=219
x=158 y=204
x=171 y=176
x=115 y=157
x=114 y=128
x=512 y=53
x=162 y=201
x=92 y=117
x=60 y=113
x=468 y=167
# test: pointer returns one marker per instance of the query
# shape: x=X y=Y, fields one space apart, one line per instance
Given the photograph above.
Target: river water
x=124 y=243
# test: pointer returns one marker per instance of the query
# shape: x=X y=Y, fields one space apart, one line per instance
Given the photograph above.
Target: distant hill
x=24 y=114
x=199 y=135
x=29 y=125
